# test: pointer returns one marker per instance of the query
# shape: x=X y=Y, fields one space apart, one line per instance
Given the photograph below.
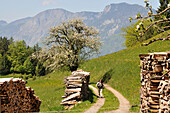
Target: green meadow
x=120 y=70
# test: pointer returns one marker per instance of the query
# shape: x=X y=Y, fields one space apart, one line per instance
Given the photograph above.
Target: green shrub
x=20 y=76
x=34 y=77
x=25 y=77
x=30 y=76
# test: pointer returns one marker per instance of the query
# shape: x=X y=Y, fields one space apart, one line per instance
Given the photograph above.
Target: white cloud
x=48 y=2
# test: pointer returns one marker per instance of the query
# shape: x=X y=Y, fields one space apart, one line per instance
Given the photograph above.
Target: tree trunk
x=73 y=68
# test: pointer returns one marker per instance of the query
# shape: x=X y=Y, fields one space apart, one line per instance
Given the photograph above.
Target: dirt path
x=98 y=104
x=124 y=105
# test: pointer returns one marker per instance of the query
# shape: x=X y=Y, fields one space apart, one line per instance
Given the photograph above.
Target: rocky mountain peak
x=2 y=23
x=109 y=23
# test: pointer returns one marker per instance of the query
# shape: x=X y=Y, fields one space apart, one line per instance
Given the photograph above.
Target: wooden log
x=73 y=78
x=156 y=81
x=143 y=56
x=155 y=106
x=78 y=80
x=4 y=98
x=66 y=107
x=73 y=86
x=73 y=90
x=69 y=102
x=158 y=68
x=80 y=73
x=160 y=57
x=153 y=99
x=155 y=96
x=70 y=107
x=154 y=93
x=153 y=102
x=156 y=77
x=73 y=82
x=68 y=93
x=154 y=88
x=71 y=96
x=154 y=110
x=64 y=96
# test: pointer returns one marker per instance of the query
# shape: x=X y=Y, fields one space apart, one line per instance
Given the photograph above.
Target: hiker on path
x=100 y=87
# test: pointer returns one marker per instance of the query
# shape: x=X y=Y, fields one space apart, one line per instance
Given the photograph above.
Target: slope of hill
x=109 y=23
x=2 y=23
x=120 y=70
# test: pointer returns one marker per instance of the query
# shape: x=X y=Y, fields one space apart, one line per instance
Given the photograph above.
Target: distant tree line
x=68 y=46
x=15 y=57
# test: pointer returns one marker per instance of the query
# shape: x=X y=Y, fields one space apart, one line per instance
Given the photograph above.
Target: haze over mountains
x=109 y=23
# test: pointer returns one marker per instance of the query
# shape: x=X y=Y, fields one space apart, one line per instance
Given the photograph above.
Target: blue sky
x=11 y=10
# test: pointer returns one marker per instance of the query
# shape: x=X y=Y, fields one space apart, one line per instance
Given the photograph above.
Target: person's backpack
x=100 y=85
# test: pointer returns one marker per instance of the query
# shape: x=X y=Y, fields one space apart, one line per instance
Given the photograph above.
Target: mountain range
x=108 y=22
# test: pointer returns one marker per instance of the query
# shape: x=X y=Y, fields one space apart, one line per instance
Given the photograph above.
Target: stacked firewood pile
x=15 y=97
x=155 y=82
x=76 y=88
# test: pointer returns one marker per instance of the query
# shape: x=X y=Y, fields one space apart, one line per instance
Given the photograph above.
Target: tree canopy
x=132 y=37
x=15 y=58
x=70 y=44
x=151 y=24
x=4 y=61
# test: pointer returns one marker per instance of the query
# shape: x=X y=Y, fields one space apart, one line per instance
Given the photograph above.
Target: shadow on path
x=98 y=104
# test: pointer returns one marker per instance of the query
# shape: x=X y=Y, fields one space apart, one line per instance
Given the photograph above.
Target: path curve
x=98 y=104
x=124 y=105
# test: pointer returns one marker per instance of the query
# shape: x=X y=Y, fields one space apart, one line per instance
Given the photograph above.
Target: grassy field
x=50 y=88
x=120 y=70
